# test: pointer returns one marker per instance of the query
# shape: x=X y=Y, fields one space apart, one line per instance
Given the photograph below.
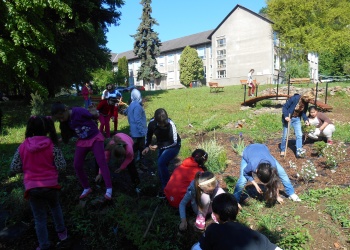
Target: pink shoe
x=85 y=193
x=329 y=142
x=200 y=222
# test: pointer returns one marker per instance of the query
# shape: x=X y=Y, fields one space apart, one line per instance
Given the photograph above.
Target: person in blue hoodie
x=295 y=108
x=137 y=122
x=258 y=159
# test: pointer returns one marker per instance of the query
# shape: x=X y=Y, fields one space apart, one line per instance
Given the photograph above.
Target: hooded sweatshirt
x=136 y=115
x=37 y=156
x=180 y=179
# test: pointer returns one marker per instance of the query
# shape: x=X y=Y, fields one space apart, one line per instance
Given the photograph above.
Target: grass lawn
x=320 y=221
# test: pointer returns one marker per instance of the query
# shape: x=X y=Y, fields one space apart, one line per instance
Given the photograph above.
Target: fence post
x=288 y=84
x=245 y=92
x=316 y=94
x=325 y=100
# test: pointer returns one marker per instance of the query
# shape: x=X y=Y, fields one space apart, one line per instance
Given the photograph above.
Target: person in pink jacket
x=39 y=159
x=119 y=155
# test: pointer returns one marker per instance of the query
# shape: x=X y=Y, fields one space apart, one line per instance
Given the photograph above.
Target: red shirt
x=179 y=181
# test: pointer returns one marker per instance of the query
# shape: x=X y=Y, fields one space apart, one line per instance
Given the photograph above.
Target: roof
x=178 y=43
x=114 y=57
x=234 y=9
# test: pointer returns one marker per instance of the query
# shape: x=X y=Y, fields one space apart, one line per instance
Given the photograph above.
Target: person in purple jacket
x=80 y=122
x=292 y=110
x=258 y=159
x=39 y=159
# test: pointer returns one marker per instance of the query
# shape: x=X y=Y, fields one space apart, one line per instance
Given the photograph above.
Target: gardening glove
x=317 y=132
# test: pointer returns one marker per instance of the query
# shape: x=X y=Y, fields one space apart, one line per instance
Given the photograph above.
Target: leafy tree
x=191 y=66
x=320 y=26
x=122 y=76
x=102 y=77
x=146 y=45
x=297 y=68
x=49 y=44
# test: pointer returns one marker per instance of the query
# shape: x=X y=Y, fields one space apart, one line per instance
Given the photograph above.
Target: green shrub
x=37 y=104
x=216 y=156
x=319 y=146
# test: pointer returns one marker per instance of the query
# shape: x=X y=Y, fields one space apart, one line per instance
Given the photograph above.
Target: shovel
x=285 y=152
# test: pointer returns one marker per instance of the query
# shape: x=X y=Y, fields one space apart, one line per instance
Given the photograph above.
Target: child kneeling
x=201 y=193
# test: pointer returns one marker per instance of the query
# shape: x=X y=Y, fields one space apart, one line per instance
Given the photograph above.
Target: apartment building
x=242 y=41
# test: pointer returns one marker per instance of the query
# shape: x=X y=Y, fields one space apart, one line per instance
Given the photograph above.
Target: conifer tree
x=147 y=43
x=191 y=66
x=123 y=71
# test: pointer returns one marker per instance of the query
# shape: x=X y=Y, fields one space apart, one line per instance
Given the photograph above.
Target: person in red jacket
x=183 y=175
x=39 y=158
x=106 y=108
x=86 y=92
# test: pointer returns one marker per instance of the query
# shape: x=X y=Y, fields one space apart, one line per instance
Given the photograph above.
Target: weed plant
x=239 y=146
x=319 y=147
x=307 y=172
x=334 y=154
x=217 y=155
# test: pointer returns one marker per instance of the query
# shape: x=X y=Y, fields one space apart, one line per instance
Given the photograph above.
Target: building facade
x=244 y=40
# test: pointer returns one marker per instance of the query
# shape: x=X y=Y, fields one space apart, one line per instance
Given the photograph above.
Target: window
x=221 y=73
x=201 y=52
x=221 y=53
x=170 y=58
x=221 y=42
x=171 y=76
x=221 y=64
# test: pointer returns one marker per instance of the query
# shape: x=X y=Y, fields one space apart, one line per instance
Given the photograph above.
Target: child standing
x=250 y=82
x=201 y=193
x=168 y=143
x=137 y=121
x=86 y=91
x=228 y=234
x=258 y=159
x=79 y=122
x=182 y=176
x=106 y=111
x=119 y=153
x=39 y=159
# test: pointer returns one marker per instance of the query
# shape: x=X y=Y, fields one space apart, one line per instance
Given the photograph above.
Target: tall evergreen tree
x=191 y=66
x=147 y=43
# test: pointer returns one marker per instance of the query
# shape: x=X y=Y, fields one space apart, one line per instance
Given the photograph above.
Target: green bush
x=37 y=104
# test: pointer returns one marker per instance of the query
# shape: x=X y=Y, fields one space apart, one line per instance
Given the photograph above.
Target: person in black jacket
x=229 y=234
x=168 y=143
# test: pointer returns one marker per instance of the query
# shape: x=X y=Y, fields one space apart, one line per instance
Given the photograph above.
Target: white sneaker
x=294 y=197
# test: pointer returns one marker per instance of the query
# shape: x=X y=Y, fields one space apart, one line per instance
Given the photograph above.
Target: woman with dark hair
x=182 y=176
x=258 y=159
x=168 y=143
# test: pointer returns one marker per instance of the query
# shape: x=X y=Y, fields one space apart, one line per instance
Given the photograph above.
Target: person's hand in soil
x=258 y=189
x=118 y=170
x=183 y=224
x=145 y=151
x=279 y=199
x=98 y=178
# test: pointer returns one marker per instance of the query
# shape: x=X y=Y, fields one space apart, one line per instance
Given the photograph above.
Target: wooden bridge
x=252 y=101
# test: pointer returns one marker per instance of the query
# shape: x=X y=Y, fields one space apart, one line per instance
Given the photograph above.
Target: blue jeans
x=296 y=124
x=164 y=158
x=281 y=174
x=39 y=198
x=87 y=103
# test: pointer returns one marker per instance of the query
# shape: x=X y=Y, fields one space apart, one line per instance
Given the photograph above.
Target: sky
x=176 y=19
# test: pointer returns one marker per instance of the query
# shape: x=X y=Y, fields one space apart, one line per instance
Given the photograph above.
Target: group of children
x=39 y=158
